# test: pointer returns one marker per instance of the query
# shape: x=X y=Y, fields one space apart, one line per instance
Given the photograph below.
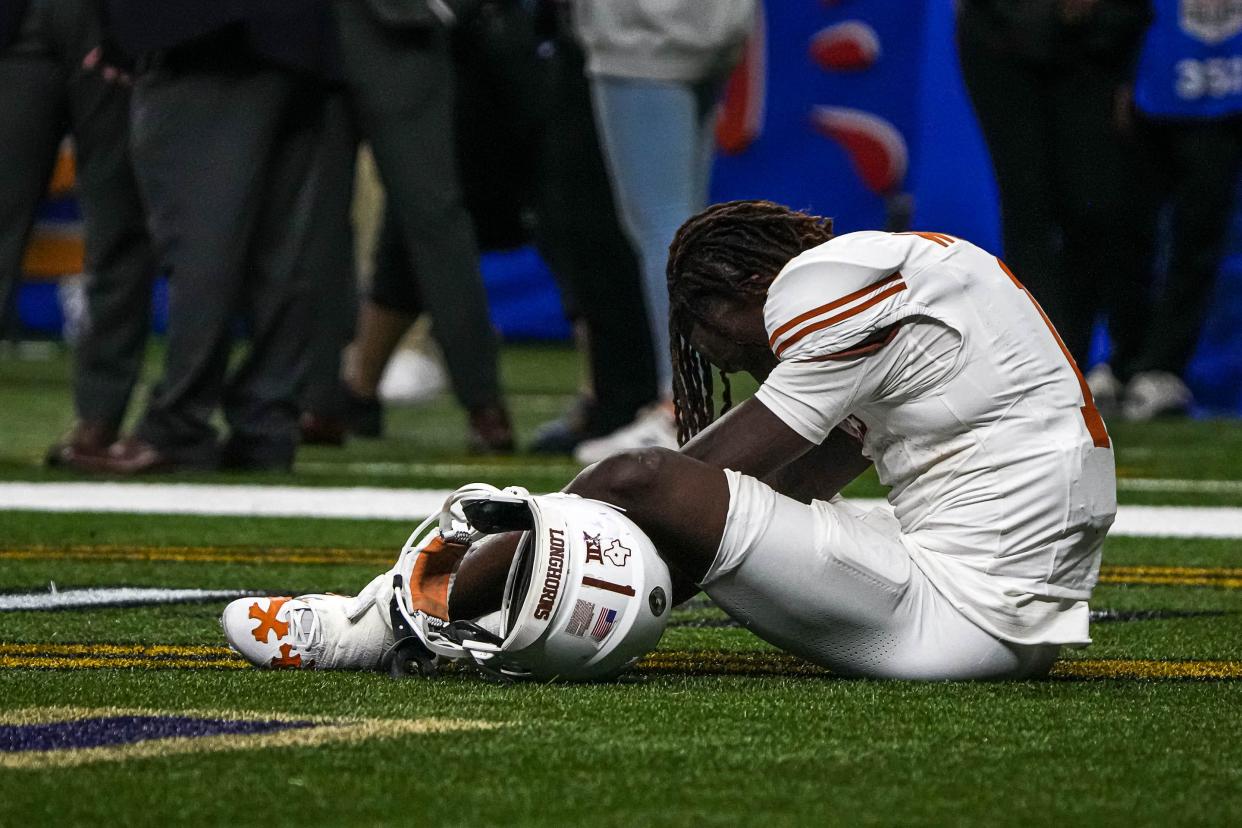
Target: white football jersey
x=1001 y=470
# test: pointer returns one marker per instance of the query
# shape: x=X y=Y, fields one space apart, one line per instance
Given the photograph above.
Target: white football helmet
x=586 y=596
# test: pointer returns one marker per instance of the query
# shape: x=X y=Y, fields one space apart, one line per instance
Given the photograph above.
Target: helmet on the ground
x=587 y=595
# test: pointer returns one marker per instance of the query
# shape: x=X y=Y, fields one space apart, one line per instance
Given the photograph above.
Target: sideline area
x=367 y=503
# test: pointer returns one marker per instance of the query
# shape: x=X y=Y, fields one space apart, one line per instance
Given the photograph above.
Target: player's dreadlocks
x=730 y=249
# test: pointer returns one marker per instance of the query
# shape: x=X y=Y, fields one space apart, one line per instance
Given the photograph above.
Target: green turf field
x=716 y=727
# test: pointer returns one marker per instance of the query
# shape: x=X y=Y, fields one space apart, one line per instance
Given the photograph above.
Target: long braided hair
x=731 y=249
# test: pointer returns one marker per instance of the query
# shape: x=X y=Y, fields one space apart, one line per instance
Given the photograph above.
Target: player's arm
x=754 y=441
x=749 y=439
x=823 y=471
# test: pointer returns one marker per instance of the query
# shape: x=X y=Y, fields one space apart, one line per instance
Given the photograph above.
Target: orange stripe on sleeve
x=803 y=332
x=941 y=239
x=833 y=305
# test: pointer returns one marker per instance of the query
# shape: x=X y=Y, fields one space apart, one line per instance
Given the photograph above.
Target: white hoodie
x=669 y=40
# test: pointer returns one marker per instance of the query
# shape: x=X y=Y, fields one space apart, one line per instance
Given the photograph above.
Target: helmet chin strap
x=409 y=653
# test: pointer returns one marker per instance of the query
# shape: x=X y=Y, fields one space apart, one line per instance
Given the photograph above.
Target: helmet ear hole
x=499 y=514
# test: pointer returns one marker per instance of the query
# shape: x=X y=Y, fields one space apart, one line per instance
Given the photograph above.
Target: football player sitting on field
x=918 y=352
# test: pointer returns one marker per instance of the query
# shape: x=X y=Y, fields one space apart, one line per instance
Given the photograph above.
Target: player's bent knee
x=626 y=478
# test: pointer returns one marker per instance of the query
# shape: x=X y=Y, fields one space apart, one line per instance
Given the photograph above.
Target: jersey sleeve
x=834 y=296
x=812 y=398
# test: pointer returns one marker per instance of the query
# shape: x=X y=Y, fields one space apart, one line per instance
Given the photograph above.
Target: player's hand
x=97 y=63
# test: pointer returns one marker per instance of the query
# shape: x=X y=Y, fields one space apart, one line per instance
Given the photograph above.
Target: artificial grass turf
x=670 y=749
x=258 y=549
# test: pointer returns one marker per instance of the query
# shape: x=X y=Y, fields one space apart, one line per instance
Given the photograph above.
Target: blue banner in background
x=837 y=89
x=893 y=69
x=853 y=109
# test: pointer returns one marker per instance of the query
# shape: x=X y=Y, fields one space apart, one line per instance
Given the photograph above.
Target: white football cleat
x=654 y=427
x=1105 y=388
x=412 y=378
x=319 y=632
x=1153 y=394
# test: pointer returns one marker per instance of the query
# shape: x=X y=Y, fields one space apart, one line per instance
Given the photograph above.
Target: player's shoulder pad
x=848 y=262
x=837 y=268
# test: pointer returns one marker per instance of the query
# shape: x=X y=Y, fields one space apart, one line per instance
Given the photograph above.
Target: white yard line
x=207 y=499
x=112 y=597
x=1150 y=484
x=497 y=472
x=414 y=504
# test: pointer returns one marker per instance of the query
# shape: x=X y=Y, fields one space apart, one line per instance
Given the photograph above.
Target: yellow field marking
x=102 y=656
x=1219 y=577
x=1123 y=668
x=712 y=662
x=64 y=663
x=44 y=715
x=692 y=662
x=1222 y=577
x=176 y=650
x=326 y=730
x=202 y=554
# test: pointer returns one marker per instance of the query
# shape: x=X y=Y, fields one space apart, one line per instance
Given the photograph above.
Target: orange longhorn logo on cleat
x=288 y=658
x=268 y=623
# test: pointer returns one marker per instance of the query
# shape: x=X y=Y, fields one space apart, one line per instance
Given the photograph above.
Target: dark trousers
x=401 y=90
x=45 y=93
x=1192 y=167
x=226 y=162
x=1068 y=183
x=328 y=260
x=580 y=234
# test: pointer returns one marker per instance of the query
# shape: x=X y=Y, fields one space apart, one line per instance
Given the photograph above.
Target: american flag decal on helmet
x=603 y=625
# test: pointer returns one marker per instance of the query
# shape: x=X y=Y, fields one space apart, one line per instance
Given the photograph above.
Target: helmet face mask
x=586 y=594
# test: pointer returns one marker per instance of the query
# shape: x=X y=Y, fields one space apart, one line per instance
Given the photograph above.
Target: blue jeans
x=658 y=143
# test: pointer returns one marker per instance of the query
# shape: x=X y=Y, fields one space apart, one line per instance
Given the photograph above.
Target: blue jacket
x=1191 y=61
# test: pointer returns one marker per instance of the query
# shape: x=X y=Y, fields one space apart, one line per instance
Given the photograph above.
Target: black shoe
x=321 y=430
x=87 y=439
x=136 y=456
x=364 y=415
x=562 y=435
x=490 y=431
x=258 y=455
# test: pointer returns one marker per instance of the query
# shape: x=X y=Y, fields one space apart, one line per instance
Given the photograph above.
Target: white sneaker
x=654 y=427
x=1105 y=388
x=1154 y=394
x=412 y=378
x=320 y=632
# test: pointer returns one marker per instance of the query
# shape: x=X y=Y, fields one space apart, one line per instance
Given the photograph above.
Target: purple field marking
x=123 y=730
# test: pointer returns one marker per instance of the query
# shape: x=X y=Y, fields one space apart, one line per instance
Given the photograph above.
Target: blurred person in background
x=1187 y=115
x=53 y=81
x=227 y=116
x=1045 y=77
x=580 y=234
x=655 y=79
x=547 y=178
x=399 y=79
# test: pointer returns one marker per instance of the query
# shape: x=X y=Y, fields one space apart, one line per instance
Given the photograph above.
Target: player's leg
x=679 y=502
x=838 y=587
